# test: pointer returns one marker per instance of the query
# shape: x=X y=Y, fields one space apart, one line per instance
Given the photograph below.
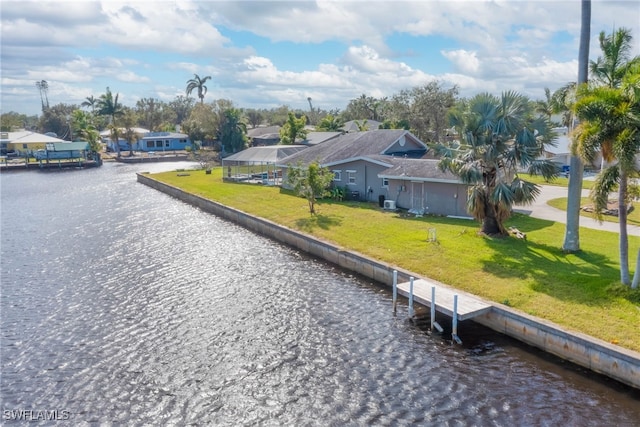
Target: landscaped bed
x=578 y=291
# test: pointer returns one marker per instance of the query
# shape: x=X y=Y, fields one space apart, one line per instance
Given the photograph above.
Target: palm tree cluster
x=608 y=108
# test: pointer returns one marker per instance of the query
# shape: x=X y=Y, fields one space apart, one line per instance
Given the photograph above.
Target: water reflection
x=124 y=306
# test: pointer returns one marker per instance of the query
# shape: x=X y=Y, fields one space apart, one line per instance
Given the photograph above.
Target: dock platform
x=468 y=306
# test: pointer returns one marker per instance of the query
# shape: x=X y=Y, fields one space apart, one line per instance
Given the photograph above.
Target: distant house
x=63 y=150
x=264 y=135
x=105 y=136
x=26 y=142
x=164 y=141
x=355 y=125
x=314 y=138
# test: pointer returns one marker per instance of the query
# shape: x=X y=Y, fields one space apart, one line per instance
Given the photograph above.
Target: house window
x=150 y=144
x=167 y=143
x=337 y=175
x=159 y=144
x=351 y=177
x=385 y=182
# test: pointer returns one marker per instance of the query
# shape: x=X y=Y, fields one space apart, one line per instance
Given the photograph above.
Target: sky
x=265 y=54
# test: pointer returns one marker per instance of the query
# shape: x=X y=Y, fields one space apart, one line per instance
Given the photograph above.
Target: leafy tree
x=428 y=107
x=311 y=182
x=293 y=129
x=84 y=129
x=395 y=124
x=11 y=121
x=57 y=119
x=233 y=131
x=198 y=83
x=181 y=106
x=576 y=166
x=202 y=124
x=109 y=106
x=330 y=123
x=254 y=116
x=150 y=110
x=128 y=122
x=610 y=125
x=499 y=137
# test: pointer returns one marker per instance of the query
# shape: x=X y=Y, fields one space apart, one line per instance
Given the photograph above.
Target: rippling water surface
x=123 y=306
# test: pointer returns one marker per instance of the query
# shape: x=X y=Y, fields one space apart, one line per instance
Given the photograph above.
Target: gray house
x=386 y=164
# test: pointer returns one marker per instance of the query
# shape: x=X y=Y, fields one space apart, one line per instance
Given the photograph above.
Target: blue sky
x=263 y=54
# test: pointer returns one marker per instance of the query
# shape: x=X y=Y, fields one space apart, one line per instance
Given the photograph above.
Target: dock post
x=395 y=290
x=454 y=321
x=411 y=296
x=433 y=306
x=434 y=324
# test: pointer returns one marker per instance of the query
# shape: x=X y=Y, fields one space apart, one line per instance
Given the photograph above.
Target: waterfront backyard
x=577 y=291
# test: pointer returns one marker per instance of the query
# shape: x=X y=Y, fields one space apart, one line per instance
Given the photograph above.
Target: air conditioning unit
x=390 y=205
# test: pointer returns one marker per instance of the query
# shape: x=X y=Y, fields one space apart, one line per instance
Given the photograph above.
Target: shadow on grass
x=318 y=221
x=580 y=278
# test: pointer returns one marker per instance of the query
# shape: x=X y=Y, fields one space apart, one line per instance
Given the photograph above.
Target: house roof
x=314 y=138
x=352 y=125
x=562 y=142
x=354 y=146
x=260 y=131
x=173 y=135
x=141 y=131
x=417 y=170
x=28 y=137
x=267 y=154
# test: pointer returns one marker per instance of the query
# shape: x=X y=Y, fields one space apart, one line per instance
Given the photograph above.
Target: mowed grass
x=633 y=217
x=579 y=291
x=560 y=181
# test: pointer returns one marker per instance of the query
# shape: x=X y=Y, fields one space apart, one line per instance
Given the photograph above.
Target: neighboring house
x=354 y=125
x=105 y=136
x=163 y=141
x=561 y=153
x=264 y=135
x=26 y=142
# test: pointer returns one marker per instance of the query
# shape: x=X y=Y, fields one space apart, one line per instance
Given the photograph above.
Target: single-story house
x=163 y=141
x=27 y=142
x=387 y=164
x=105 y=136
x=264 y=135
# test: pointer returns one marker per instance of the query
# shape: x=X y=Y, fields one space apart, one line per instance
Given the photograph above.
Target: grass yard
x=633 y=217
x=578 y=291
x=560 y=181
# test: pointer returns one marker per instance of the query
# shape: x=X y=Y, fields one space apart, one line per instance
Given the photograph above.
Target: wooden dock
x=440 y=299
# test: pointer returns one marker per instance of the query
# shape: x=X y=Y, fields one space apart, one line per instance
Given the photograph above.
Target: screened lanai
x=258 y=164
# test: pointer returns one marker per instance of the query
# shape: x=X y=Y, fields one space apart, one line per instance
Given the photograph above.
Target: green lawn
x=560 y=181
x=579 y=291
x=633 y=217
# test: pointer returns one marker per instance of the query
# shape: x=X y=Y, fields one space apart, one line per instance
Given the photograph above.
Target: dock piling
x=434 y=324
x=454 y=321
x=395 y=290
x=411 y=312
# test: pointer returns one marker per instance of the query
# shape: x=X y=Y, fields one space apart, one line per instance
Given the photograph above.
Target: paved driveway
x=540 y=209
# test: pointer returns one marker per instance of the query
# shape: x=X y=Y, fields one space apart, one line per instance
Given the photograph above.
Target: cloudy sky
x=263 y=54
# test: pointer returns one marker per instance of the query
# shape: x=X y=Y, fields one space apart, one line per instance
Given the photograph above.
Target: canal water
x=123 y=306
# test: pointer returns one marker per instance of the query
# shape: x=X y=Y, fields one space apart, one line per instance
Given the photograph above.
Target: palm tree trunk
x=624 y=239
x=636 y=274
x=572 y=229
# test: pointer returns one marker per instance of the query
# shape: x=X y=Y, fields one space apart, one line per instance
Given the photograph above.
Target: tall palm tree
x=576 y=166
x=198 y=83
x=109 y=106
x=90 y=101
x=499 y=136
x=611 y=126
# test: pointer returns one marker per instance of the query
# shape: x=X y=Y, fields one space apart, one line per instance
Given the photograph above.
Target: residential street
x=540 y=209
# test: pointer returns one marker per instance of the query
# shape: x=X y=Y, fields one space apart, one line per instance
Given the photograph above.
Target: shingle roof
x=354 y=146
x=416 y=170
x=268 y=154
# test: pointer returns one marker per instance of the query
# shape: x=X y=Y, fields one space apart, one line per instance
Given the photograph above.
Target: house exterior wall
x=435 y=198
x=364 y=179
x=163 y=143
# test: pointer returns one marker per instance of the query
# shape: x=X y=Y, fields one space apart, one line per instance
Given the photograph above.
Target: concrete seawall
x=613 y=361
